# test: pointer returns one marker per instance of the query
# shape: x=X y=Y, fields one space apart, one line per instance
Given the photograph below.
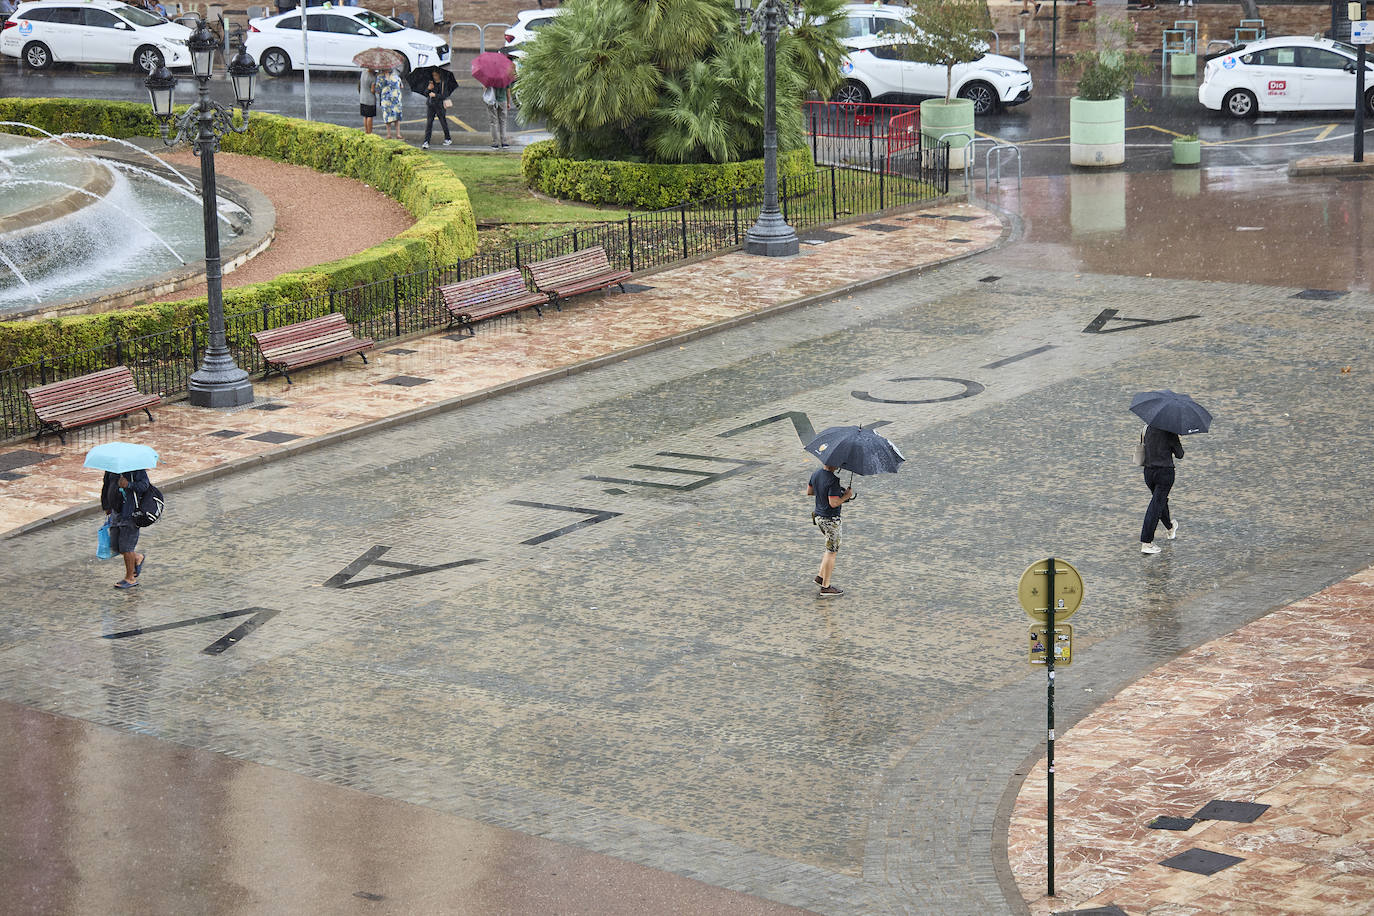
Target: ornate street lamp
x=770 y=235
x=219 y=382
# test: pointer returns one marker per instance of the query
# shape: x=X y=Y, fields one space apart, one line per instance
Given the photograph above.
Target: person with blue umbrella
x=1168 y=416
x=126 y=481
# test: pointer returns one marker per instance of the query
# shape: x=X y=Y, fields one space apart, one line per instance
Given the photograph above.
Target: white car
x=44 y=32
x=1289 y=73
x=337 y=33
x=866 y=20
x=527 y=24
x=877 y=67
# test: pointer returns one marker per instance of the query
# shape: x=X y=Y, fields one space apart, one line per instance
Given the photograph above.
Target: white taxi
x=1288 y=73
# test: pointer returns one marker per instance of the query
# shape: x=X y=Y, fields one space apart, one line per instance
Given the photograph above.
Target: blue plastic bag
x=103 y=550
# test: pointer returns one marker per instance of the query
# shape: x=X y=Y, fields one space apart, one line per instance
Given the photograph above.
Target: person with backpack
x=119 y=497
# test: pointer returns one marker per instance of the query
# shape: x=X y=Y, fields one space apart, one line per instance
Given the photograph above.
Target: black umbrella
x=419 y=81
x=856 y=449
x=1171 y=412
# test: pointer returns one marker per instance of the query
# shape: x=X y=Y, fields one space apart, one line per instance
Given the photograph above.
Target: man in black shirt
x=830 y=495
x=1161 y=448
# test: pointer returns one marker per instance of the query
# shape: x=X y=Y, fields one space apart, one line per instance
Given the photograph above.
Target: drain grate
x=21 y=458
x=826 y=235
x=990 y=279
x=882 y=227
x=1165 y=822
x=406 y=381
x=1240 y=812
x=1321 y=295
x=1201 y=861
x=1095 y=911
x=271 y=406
x=399 y=351
x=226 y=433
x=274 y=437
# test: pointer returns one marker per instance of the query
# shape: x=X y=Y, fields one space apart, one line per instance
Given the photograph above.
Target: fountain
x=82 y=232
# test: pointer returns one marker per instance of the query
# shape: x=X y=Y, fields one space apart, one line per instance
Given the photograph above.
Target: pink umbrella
x=493 y=69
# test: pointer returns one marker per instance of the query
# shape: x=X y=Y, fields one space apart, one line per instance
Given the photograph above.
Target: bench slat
x=579 y=272
x=489 y=296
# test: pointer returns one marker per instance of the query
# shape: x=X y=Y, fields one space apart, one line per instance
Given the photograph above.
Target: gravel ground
x=319 y=217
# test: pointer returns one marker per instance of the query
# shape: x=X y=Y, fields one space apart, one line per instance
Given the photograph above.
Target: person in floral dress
x=389 y=104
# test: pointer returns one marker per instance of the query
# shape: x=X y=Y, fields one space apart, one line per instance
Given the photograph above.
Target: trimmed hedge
x=445 y=230
x=642 y=185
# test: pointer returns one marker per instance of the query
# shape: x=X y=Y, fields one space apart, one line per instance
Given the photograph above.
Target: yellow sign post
x=1050 y=591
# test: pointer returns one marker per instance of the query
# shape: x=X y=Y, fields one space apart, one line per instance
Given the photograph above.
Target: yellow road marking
x=1325 y=131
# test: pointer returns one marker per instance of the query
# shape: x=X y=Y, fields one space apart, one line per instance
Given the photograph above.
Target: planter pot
x=1183 y=64
x=939 y=117
x=1187 y=153
x=1097 y=132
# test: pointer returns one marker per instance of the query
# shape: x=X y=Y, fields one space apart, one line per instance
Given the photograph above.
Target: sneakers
x=830 y=591
x=820 y=581
x=425 y=145
x=1149 y=548
x=448 y=141
x=1173 y=532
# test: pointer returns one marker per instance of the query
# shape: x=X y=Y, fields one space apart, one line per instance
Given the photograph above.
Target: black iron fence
x=411 y=303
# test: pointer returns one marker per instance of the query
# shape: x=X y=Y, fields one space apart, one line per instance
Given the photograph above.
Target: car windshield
x=380 y=23
x=138 y=16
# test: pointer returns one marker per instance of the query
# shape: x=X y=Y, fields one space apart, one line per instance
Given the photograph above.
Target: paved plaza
x=577 y=619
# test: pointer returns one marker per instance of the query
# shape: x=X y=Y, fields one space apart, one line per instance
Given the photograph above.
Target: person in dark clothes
x=434 y=108
x=1161 y=448
x=118 y=499
x=830 y=495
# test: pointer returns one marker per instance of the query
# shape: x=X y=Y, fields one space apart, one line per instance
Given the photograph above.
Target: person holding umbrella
x=496 y=72
x=126 y=481
x=1167 y=416
x=436 y=91
x=858 y=450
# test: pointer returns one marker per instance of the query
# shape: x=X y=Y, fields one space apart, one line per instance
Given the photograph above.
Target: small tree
x=1110 y=70
x=948 y=33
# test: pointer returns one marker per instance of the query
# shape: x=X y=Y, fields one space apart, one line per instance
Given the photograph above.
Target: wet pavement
x=581 y=611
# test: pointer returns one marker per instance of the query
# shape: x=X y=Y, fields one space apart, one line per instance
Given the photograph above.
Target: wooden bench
x=306 y=343
x=87 y=399
x=489 y=296
x=580 y=272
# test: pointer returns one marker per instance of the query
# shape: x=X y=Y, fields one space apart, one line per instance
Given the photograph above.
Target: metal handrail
x=481 y=32
x=996 y=41
x=987 y=165
x=968 y=171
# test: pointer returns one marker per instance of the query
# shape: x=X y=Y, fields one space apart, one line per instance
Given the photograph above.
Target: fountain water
x=73 y=224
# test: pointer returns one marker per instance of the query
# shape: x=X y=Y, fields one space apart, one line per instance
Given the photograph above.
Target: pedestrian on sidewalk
x=367 y=98
x=389 y=102
x=1161 y=448
x=119 y=497
x=830 y=496
x=497 y=99
x=435 y=103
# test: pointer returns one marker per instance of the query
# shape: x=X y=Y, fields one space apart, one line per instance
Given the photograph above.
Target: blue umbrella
x=119 y=457
x=1171 y=412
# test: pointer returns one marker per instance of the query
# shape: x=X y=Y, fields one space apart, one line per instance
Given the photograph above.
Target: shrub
x=642 y=185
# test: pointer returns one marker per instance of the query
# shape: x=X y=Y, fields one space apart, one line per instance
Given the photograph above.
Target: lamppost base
x=771 y=237
x=220 y=389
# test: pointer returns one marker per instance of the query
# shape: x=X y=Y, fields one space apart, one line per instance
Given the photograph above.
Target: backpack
x=149 y=509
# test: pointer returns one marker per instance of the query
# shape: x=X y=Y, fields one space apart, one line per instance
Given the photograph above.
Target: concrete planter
x=1187 y=153
x=940 y=117
x=1097 y=132
x=1183 y=64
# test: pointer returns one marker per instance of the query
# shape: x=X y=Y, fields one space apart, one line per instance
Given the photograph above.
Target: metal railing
x=406 y=304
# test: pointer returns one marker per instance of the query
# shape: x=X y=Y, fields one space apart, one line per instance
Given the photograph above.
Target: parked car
x=527 y=24
x=337 y=33
x=879 y=67
x=1286 y=73
x=866 y=20
x=44 y=32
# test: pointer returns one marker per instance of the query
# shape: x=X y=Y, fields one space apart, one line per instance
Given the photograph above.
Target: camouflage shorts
x=830 y=527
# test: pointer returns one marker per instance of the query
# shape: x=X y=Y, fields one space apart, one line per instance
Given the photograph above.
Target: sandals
x=138 y=567
x=125 y=585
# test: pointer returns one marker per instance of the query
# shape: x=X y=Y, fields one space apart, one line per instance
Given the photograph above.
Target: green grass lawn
x=500 y=198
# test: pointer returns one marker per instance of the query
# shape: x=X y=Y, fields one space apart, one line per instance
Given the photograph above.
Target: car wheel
x=983 y=97
x=148 y=59
x=37 y=55
x=276 y=62
x=1240 y=103
x=1369 y=102
x=851 y=93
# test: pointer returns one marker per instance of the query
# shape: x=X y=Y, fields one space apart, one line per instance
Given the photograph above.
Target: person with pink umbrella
x=496 y=72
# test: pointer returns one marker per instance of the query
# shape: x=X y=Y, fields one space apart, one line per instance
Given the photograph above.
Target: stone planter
x=940 y=117
x=1187 y=153
x=1097 y=132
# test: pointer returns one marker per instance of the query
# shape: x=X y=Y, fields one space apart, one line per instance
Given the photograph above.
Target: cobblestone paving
x=584 y=610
